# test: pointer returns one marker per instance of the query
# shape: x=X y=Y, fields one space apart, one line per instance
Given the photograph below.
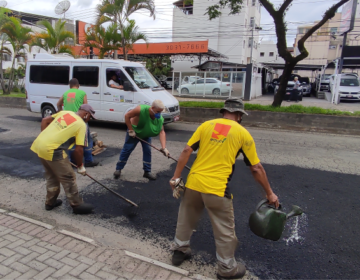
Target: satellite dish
x=62 y=7
x=3 y=3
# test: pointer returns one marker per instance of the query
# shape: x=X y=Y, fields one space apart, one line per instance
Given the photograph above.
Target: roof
x=311 y=67
x=31 y=17
x=225 y=64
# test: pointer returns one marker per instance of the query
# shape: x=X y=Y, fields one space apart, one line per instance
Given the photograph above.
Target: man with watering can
x=219 y=142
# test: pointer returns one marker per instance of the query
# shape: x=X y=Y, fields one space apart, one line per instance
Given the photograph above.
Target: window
x=88 y=76
x=333 y=30
x=262 y=54
x=349 y=82
x=250 y=42
x=252 y=22
x=6 y=57
x=120 y=76
x=271 y=53
x=200 y=81
x=332 y=47
x=253 y=2
x=142 y=77
x=301 y=31
x=54 y=75
x=210 y=81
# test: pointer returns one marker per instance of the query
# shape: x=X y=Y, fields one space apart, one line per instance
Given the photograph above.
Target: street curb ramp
x=288 y=121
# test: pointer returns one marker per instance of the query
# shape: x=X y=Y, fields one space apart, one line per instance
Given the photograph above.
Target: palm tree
x=19 y=37
x=130 y=36
x=53 y=39
x=104 y=40
x=118 y=11
x=3 y=50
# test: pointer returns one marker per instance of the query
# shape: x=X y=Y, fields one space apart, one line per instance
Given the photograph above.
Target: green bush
x=15 y=89
x=22 y=90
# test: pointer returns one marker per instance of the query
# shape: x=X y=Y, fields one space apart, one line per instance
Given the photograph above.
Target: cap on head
x=233 y=105
x=89 y=109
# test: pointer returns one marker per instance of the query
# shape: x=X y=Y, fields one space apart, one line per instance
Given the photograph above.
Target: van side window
x=44 y=74
x=88 y=76
x=114 y=72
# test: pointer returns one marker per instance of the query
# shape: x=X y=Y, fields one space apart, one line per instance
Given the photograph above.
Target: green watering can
x=269 y=222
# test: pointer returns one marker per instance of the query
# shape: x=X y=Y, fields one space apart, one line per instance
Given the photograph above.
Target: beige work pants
x=221 y=213
x=56 y=172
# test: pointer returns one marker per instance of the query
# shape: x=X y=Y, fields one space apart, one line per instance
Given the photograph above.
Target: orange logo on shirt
x=220 y=131
x=66 y=120
x=71 y=97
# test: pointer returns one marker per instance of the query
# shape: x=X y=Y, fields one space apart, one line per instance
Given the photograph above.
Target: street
x=318 y=172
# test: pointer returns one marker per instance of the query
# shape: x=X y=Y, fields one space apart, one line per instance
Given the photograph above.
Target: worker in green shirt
x=145 y=122
x=71 y=101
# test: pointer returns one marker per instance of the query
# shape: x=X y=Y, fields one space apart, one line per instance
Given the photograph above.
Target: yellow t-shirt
x=66 y=129
x=220 y=142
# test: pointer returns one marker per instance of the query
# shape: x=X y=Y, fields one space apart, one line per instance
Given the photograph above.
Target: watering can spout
x=296 y=211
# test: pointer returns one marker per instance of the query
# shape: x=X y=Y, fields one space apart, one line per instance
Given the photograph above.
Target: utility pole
x=249 y=67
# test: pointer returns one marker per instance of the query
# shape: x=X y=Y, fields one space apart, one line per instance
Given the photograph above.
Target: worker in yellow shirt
x=58 y=133
x=219 y=142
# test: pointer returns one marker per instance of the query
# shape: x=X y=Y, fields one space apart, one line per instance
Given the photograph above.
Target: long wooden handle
x=110 y=190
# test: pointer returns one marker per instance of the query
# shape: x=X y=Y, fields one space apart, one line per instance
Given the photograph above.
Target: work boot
x=239 y=273
x=117 y=174
x=179 y=257
x=84 y=208
x=149 y=176
x=57 y=203
x=92 y=164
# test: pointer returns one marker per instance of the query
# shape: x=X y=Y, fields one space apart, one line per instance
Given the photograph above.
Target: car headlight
x=166 y=110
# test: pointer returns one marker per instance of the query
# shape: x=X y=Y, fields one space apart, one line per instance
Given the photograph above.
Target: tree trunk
x=11 y=77
x=280 y=94
x=1 y=68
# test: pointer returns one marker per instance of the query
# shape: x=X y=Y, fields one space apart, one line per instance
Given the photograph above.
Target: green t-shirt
x=147 y=127
x=73 y=99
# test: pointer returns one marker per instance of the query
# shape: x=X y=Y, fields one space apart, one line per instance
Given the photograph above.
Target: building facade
x=230 y=35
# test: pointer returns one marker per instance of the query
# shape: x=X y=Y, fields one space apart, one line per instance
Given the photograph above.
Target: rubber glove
x=165 y=152
x=179 y=187
x=132 y=133
x=81 y=170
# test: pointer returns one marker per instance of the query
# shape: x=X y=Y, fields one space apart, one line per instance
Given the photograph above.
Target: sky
x=301 y=12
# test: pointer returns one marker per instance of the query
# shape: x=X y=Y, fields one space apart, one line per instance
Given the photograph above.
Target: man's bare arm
x=162 y=137
x=45 y=122
x=60 y=103
x=78 y=155
x=131 y=114
x=115 y=86
x=85 y=100
x=183 y=159
x=259 y=174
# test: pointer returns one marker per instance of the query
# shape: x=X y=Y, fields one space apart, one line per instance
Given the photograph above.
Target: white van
x=47 y=78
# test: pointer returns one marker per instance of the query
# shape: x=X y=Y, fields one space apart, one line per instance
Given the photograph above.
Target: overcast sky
x=302 y=11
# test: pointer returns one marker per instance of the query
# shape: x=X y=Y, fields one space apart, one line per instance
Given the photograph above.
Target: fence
x=208 y=84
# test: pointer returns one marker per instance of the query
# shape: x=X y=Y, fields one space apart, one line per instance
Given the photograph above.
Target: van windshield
x=142 y=77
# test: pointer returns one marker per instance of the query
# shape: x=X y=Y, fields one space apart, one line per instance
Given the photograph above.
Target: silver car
x=207 y=86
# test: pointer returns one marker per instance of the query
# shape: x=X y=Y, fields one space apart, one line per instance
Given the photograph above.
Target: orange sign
x=151 y=48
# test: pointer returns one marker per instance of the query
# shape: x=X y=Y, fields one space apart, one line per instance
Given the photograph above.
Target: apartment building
x=326 y=44
x=230 y=35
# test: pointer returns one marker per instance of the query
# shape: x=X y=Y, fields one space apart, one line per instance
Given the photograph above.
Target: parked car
x=169 y=82
x=289 y=90
x=306 y=86
x=209 y=86
x=161 y=82
x=349 y=87
x=324 y=81
x=272 y=85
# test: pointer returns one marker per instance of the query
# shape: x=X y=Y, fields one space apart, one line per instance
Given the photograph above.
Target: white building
x=268 y=53
x=230 y=35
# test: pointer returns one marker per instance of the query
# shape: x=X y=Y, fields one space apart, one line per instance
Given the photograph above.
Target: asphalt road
x=317 y=172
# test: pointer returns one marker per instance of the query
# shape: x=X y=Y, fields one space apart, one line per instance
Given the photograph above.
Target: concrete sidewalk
x=30 y=249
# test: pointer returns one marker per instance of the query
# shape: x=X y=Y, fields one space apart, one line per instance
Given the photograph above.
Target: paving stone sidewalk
x=28 y=251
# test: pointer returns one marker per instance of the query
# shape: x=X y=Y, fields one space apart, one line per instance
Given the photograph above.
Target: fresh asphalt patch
x=322 y=243
x=19 y=161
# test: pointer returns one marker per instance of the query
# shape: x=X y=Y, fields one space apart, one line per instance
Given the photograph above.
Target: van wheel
x=47 y=111
x=184 y=91
x=216 y=91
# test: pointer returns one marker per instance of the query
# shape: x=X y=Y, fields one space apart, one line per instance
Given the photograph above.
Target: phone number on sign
x=185 y=47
